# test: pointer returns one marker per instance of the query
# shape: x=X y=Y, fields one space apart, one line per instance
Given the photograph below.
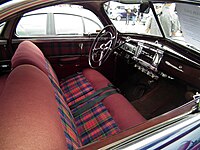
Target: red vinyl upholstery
x=106 y=118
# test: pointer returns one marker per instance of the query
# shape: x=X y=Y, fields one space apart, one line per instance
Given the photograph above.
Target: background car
x=119 y=12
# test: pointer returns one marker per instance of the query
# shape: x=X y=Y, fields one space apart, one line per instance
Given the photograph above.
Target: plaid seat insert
x=94 y=123
x=71 y=135
x=76 y=89
x=70 y=131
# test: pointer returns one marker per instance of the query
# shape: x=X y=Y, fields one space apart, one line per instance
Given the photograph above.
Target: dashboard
x=147 y=56
x=158 y=60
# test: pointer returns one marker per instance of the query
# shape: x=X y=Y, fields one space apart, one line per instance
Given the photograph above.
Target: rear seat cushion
x=28 y=112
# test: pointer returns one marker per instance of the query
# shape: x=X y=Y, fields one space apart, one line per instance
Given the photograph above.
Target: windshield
x=179 y=22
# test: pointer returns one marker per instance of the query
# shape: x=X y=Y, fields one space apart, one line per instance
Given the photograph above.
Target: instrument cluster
x=147 y=56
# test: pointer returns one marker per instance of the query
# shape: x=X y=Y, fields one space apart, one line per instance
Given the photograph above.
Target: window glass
x=59 y=20
x=92 y=26
x=168 y=19
x=68 y=24
x=32 y=25
x=179 y=21
x=2 y=26
x=126 y=17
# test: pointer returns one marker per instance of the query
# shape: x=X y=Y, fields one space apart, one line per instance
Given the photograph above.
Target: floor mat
x=152 y=99
x=162 y=98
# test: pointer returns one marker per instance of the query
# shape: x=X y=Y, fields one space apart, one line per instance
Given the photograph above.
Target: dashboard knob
x=143 y=70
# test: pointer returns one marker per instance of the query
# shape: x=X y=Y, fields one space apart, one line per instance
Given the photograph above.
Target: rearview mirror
x=144 y=8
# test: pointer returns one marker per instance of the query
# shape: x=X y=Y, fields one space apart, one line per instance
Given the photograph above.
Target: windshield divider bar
x=157 y=20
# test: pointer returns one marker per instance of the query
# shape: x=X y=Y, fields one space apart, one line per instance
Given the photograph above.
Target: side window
x=59 y=20
x=91 y=26
x=68 y=24
x=32 y=25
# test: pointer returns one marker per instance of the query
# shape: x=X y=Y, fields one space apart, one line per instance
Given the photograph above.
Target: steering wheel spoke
x=102 y=46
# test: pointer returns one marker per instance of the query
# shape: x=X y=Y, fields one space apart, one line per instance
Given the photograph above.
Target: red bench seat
x=105 y=118
x=28 y=112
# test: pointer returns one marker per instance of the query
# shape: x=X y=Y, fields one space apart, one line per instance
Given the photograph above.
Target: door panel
x=63 y=33
x=4 y=51
x=5 y=55
x=67 y=56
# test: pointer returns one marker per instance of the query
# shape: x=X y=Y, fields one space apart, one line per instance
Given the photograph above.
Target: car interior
x=84 y=92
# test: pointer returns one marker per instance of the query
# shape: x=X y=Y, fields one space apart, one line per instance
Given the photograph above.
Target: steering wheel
x=102 y=46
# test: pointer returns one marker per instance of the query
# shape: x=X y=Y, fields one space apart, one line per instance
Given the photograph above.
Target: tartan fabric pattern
x=50 y=70
x=95 y=123
x=70 y=131
x=92 y=124
x=64 y=48
x=76 y=89
x=57 y=48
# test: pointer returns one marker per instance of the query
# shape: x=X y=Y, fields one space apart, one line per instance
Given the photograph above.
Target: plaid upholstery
x=64 y=48
x=76 y=88
x=51 y=71
x=94 y=123
x=72 y=137
x=70 y=131
x=57 y=48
